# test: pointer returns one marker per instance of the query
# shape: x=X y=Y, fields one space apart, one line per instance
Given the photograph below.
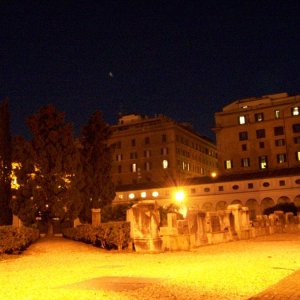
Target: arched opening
x=283 y=199
x=266 y=203
x=207 y=206
x=221 y=205
x=297 y=200
x=253 y=206
x=236 y=201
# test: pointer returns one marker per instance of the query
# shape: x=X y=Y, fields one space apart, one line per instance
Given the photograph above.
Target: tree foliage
x=98 y=189
x=285 y=207
x=5 y=164
x=49 y=164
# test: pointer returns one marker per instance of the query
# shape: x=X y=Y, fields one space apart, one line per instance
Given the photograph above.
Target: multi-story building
x=158 y=150
x=256 y=134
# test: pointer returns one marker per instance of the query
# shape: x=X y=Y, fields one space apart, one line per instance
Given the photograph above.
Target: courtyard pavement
x=262 y=268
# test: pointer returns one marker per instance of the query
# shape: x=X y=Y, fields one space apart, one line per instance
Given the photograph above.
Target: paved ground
x=262 y=268
x=287 y=288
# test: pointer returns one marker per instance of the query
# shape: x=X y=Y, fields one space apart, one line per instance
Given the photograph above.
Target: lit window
x=155 y=194
x=131 y=196
x=165 y=164
x=298 y=155
x=277 y=114
x=228 y=164
x=133 y=168
x=263 y=162
x=281 y=158
x=143 y=194
x=295 y=111
x=118 y=157
x=242 y=120
x=259 y=117
x=120 y=196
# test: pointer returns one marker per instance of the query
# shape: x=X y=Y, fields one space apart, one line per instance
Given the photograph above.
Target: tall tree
x=98 y=190
x=5 y=164
x=49 y=164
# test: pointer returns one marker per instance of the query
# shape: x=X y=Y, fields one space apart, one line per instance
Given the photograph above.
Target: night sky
x=183 y=59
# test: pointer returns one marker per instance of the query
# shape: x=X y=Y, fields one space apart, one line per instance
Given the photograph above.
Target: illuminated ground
x=62 y=269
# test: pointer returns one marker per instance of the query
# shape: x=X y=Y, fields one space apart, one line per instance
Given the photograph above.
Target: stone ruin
x=201 y=228
x=144 y=230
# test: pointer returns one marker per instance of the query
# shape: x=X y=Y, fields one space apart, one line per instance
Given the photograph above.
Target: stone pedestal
x=96 y=216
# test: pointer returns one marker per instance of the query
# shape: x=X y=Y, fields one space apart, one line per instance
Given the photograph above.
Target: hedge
x=112 y=235
x=13 y=240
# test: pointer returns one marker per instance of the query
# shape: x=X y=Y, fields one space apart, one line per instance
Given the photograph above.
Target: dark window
x=119 y=169
x=282 y=182
x=278 y=130
x=244 y=147
x=280 y=142
x=259 y=117
x=266 y=184
x=297 y=181
x=297 y=140
x=206 y=190
x=243 y=136
x=235 y=187
x=164 y=138
x=260 y=133
x=193 y=191
x=296 y=127
x=133 y=155
x=221 y=188
x=281 y=158
x=147 y=140
x=250 y=185
x=133 y=142
x=245 y=162
x=261 y=145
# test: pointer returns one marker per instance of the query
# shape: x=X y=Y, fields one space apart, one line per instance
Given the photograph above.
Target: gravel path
x=62 y=269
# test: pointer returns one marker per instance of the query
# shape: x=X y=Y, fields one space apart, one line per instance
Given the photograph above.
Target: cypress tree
x=5 y=164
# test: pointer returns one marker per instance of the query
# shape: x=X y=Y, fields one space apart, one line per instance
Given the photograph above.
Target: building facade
x=257 y=191
x=158 y=149
x=259 y=134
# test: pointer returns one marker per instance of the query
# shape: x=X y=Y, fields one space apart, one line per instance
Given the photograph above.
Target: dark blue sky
x=183 y=59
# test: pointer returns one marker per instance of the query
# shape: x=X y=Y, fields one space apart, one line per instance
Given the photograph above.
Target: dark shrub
x=15 y=240
x=112 y=235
